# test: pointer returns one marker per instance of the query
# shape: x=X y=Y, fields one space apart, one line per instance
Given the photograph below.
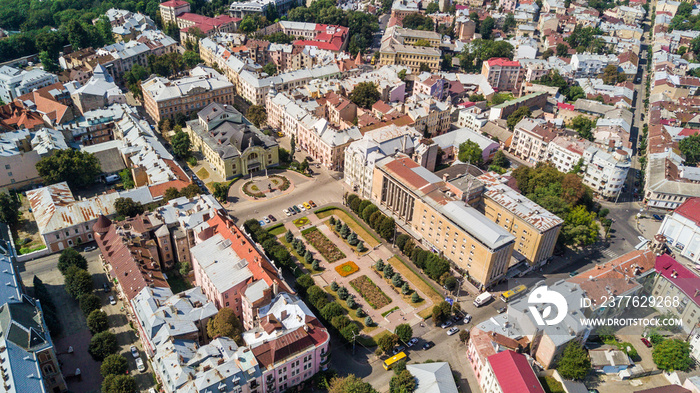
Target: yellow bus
x=389 y=363
x=513 y=293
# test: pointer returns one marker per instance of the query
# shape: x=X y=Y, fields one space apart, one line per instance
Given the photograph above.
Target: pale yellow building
x=435 y=212
x=398 y=49
x=535 y=229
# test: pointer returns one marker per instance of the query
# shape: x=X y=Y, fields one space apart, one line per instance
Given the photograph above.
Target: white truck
x=482 y=299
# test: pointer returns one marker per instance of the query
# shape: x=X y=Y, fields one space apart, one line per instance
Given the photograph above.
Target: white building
x=15 y=82
x=565 y=152
x=606 y=171
x=586 y=65
x=682 y=230
x=361 y=155
x=531 y=138
x=472 y=118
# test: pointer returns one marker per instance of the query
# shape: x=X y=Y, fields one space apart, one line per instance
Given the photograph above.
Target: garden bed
x=352 y=314
x=327 y=248
x=375 y=297
x=281 y=182
x=296 y=255
x=415 y=279
x=301 y=221
x=347 y=268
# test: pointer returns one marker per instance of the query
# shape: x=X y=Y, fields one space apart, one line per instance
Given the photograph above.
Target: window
x=7 y=166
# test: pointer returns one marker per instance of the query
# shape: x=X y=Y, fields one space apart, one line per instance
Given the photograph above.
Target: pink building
x=290 y=343
x=482 y=345
x=502 y=74
x=510 y=372
x=232 y=272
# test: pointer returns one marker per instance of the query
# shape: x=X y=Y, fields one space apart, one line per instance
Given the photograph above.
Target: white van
x=482 y=299
x=112 y=179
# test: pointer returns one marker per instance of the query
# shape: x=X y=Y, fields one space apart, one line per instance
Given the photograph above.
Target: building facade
x=502 y=74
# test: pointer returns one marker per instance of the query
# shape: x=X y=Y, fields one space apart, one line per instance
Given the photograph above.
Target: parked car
x=646 y=342
x=286 y=212
x=398 y=349
x=467 y=318
x=456 y=318
x=502 y=310
x=105 y=287
x=296 y=209
x=446 y=324
x=134 y=351
x=139 y=365
x=306 y=205
x=658 y=217
x=89 y=248
x=428 y=345
x=452 y=331
x=271 y=217
x=267 y=220
x=574 y=273
x=312 y=204
x=412 y=342
x=301 y=207
x=112 y=301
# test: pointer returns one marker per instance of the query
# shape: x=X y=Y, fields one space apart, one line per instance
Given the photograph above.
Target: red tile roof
x=569 y=107
x=502 y=62
x=514 y=373
x=690 y=209
x=291 y=343
x=680 y=276
x=174 y=3
x=688 y=132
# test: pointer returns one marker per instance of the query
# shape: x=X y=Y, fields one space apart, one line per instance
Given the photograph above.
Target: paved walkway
x=406 y=313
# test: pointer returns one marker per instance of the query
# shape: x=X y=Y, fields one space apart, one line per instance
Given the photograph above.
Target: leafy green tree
x=574 y=363
x=575 y=92
x=225 y=324
x=424 y=67
x=404 y=331
x=441 y=312
x=343 y=293
x=127 y=207
x=402 y=382
x=547 y=53
x=369 y=321
x=417 y=21
x=78 y=281
x=486 y=28
x=331 y=310
x=257 y=114
x=515 y=117
x=349 y=384
x=89 y=302
x=191 y=59
x=470 y=152
x=48 y=62
x=270 y=68
x=102 y=345
x=97 y=321
x=9 y=209
x=119 y=384
x=500 y=159
x=672 y=355
x=432 y=8
x=220 y=191
x=181 y=144
x=690 y=147
x=509 y=23
x=562 y=50
x=464 y=336
x=114 y=365
x=583 y=126
x=611 y=74
x=387 y=342
x=127 y=179
x=76 y=167
x=304 y=282
x=365 y=94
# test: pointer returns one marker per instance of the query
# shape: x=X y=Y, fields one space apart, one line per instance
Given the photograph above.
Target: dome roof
x=244 y=138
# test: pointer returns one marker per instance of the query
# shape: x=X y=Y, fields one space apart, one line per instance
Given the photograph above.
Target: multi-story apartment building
x=163 y=98
x=290 y=343
x=232 y=272
x=169 y=10
x=531 y=139
x=317 y=136
x=535 y=229
x=606 y=171
x=435 y=213
x=430 y=116
x=483 y=345
x=15 y=82
x=502 y=74
x=398 y=49
x=566 y=152
x=674 y=280
x=509 y=372
x=230 y=143
x=331 y=37
x=586 y=65
x=361 y=155
x=64 y=221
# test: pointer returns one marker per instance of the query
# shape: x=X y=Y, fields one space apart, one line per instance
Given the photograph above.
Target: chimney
x=445 y=177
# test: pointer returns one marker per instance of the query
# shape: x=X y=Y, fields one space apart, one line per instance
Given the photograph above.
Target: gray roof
x=220 y=263
x=433 y=377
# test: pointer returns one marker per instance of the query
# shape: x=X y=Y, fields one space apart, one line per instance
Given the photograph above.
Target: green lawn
x=277 y=230
x=203 y=173
x=294 y=253
x=177 y=282
x=351 y=313
x=370 y=240
x=415 y=280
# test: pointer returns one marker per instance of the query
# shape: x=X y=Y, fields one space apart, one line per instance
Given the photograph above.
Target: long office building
x=437 y=213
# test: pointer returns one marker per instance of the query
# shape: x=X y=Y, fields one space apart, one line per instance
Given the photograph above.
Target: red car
x=646 y=342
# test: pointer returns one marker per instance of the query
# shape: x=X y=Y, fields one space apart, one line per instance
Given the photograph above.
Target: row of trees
x=330 y=312
x=396 y=280
x=383 y=225
x=433 y=265
x=272 y=247
x=300 y=248
x=342 y=230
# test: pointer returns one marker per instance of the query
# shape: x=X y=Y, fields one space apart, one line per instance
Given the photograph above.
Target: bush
x=315 y=265
x=361 y=313
x=334 y=286
x=97 y=321
x=361 y=246
x=404 y=331
x=351 y=302
x=405 y=289
x=369 y=321
x=88 y=303
x=331 y=310
x=102 y=345
x=304 y=282
x=343 y=293
x=379 y=265
x=415 y=298
x=119 y=384
x=396 y=280
x=388 y=271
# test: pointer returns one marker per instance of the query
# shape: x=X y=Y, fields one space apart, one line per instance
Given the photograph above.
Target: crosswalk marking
x=609 y=253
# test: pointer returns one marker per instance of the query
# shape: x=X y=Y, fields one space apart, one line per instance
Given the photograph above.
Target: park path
x=406 y=312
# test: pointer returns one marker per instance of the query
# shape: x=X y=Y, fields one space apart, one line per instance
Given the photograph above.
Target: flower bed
x=347 y=268
x=300 y=222
x=369 y=291
x=250 y=193
x=285 y=182
x=320 y=242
